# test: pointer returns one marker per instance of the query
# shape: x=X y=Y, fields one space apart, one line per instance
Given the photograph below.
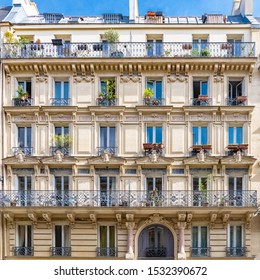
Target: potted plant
x=22 y=95
x=62 y=143
x=148 y=93
x=205 y=52
x=112 y=37
x=203 y=192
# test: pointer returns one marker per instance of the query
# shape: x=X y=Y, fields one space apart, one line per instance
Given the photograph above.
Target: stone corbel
x=34 y=218
x=10 y=218
x=181 y=216
x=8 y=73
x=119 y=219
x=71 y=218
x=130 y=217
x=47 y=217
x=93 y=219
x=188 y=220
x=249 y=217
x=213 y=218
x=225 y=218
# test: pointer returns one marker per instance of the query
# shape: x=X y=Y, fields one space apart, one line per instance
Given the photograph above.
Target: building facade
x=130 y=137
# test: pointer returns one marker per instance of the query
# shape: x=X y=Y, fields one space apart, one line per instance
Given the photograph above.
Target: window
x=236 y=88
x=61 y=242
x=107 y=241
x=200 y=88
x=200 y=185
x=235 y=49
x=24 y=190
x=156 y=86
x=199 y=135
x=235 y=187
x=24 y=141
x=235 y=135
x=107 y=92
x=61 y=140
x=199 y=44
x=24 y=241
x=154 y=191
x=61 y=94
x=154 y=47
x=199 y=241
x=107 y=185
x=27 y=86
x=235 y=244
x=62 y=190
x=107 y=139
x=61 y=130
x=154 y=134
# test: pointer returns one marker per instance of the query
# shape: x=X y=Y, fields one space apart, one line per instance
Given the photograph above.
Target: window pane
x=28 y=136
x=149 y=136
x=103 y=183
x=103 y=236
x=196 y=89
x=239 y=131
x=158 y=184
x=204 y=88
x=112 y=237
x=58 y=130
x=195 y=184
x=204 y=135
x=21 y=235
x=58 y=236
x=204 y=240
x=232 y=236
x=29 y=236
x=57 y=89
x=66 y=89
x=195 y=242
x=21 y=136
x=103 y=137
x=231 y=135
x=158 y=139
x=239 y=184
x=66 y=130
x=238 y=236
x=149 y=182
x=195 y=136
x=112 y=137
x=158 y=89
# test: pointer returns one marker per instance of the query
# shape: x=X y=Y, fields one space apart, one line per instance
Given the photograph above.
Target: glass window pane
x=158 y=89
x=232 y=236
x=57 y=89
x=204 y=135
x=231 y=135
x=238 y=236
x=103 y=137
x=112 y=137
x=196 y=89
x=58 y=236
x=195 y=136
x=103 y=236
x=204 y=88
x=195 y=242
x=239 y=184
x=149 y=184
x=21 y=235
x=112 y=237
x=204 y=239
x=103 y=183
x=21 y=136
x=239 y=131
x=158 y=184
x=28 y=137
x=195 y=184
x=149 y=134
x=158 y=135
x=66 y=89
x=29 y=236
x=58 y=130
x=66 y=130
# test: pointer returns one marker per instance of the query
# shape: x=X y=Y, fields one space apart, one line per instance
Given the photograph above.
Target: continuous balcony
x=128 y=49
x=127 y=199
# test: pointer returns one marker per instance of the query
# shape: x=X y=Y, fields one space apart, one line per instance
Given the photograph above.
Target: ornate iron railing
x=238 y=101
x=60 y=101
x=107 y=252
x=27 y=151
x=111 y=150
x=23 y=251
x=236 y=251
x=200 y=251
x=22 y=103
x=154 y=101
x=158 y=252
x=128 y=49
x=106 y=102
x=201 y=101
x=61 y=251
x=64 y=150
x=131 y=198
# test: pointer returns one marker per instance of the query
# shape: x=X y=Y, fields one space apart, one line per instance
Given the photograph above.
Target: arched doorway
x=156 y=241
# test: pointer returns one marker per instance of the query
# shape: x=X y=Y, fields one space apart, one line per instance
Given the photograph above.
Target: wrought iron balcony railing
x=127 y=199
x=106 y=102
x=149 y=148
x=61 y=251
x=200 y=251
x=23 y=251
x=110 y=150
x=128 y=49
x=107 y=252
x=64 y=150
x=22 y=103
x=60 y=101
x=27 y=151
x=201 y=101
x=156 y=252
x=238 y=101
x=236 y=251
x=154 y=101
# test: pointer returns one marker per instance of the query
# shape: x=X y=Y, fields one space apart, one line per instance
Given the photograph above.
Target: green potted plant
x=22 y=95
x=62 y=141
x=205 y=52
x=112 y=37
x=148 y=94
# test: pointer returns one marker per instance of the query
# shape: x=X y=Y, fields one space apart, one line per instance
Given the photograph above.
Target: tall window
x=156 y=86
x=107 y=241
x=236 y=47
x=235 y=135
x=24 y=190
x=107 y=186
x=199 y=241
x=236 y=88
x=235 y=244
x=199 y=135
x=154 y=134
x=24 y=140
x=107 y=139
x=154 y=47
x=61 y=94
x=154 y=190
x=200 y=185
x=199 y=45
x=200 y=88
x=61 y=130
x=24 y=241
x=27 y=87
x=62 y=190
x=235 y=187
x=61 y=242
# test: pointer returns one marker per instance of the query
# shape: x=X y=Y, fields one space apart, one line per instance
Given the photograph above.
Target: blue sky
x=168 y=7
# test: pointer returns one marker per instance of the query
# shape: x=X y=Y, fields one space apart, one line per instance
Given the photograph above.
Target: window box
x=187 y=46
x=242 y=98
x=203 y=97
x=148 y=146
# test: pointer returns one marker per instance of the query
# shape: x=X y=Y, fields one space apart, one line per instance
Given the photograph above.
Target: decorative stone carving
x=213 y=218
x=201 y=156
x=130 y=78
x=249 y=217
x=83 y=78
x=153 y=157
x=130 y=217
x=225 y=219
x=218 y=78
x=41 y=79
x=93 y=219
x=58 y=156
x=71 y=218
x=47 y=218
x=106 y=156
x=33 y=217
x=238 y=156
x=10 y=218
x=20 y=156
x=177 y=78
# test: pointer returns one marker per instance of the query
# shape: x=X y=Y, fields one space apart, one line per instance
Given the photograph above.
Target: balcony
x=236 y=251
x=27 y=151
x=128 y=49
x=106 y=102
x=206 y=148
x=64 y=150
x=200 y=251
x=149 y=148
x=61 y=251
x=22 y=103
x=234 y=148
x=201 y=101
x=238 y=101
x=153 y=101
x=110 y=150
x=107 y=252
x=156 y=252
x=23 y=251
x=60 y=101
x=128 y=199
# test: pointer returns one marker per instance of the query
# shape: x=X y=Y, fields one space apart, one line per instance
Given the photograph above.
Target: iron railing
x=22 y=103
x=156 y=252
x=128 y=49
x=106 y=102
x=27 y=151
x=107 y=252
x=200 y=251
x=61 y=251
x=110 y=150
x=238 y=101
x=64 y=150
x=23 y=251
x=153 y=101
x=60 y=101
x=133 y=198
x=201 y=101
x=236 y=251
